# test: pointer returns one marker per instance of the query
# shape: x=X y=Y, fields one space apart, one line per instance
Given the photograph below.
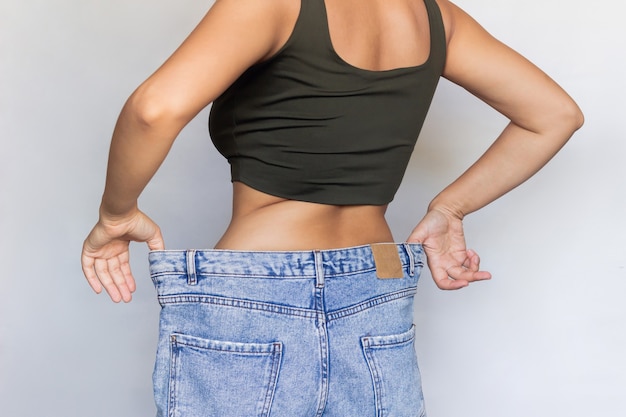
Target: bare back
x=375 y=35
x=379 y=35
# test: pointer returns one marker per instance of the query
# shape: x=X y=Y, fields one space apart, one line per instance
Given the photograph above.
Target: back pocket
x=210 y=378
x=395 y=374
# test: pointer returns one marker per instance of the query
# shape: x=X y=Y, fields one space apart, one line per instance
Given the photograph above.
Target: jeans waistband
x=279 y=264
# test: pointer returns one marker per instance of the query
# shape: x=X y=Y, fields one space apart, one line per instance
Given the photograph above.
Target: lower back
x=264 y=222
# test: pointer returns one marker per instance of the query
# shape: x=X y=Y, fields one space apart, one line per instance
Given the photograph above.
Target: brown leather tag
x=387 y=260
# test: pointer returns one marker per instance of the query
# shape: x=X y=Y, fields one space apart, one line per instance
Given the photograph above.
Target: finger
x=102 y=270
x=445 y=282
x=457 y=277
x=473 y=261
x=87 y=264
x=119 y=278
x=128 y=276
x=465 y=274
x=419 y=234
x=126 y=271
x=474 y=267
x=449 y=284
x=467 y=263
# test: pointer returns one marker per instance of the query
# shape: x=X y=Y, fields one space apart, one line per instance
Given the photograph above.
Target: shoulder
x=268 y=20
x=264 y=14
x=259 y=8
x=469 y=46
x=452 y=16
x=229 y=39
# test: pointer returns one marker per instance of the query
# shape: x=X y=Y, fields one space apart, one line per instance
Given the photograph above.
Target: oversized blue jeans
x=286 y=334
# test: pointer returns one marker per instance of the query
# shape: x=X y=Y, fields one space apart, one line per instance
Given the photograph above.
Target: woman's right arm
x=234 y=35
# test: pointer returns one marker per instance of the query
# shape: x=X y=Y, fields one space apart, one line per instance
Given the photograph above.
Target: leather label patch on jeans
x=387 y=260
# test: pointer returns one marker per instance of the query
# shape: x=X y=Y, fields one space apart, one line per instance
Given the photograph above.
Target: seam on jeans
x=344 y=312
x=157 y=275
x=330 y=275
x=278 y=275
x=172 y=380
x=348 y=273
x=276 y=359
x=237 y=303
x=387 y=341
x=376 y=378
x=324 y=352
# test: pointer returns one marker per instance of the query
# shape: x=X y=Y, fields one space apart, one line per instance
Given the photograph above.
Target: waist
x=287 y=282
x=277 y=264
x=264 y=222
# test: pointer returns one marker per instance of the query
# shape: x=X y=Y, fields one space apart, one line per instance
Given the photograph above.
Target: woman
x=304 y=308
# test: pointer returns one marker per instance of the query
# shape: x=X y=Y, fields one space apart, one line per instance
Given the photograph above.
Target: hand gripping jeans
x=286 y=334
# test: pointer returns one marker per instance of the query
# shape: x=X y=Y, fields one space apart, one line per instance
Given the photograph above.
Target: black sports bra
x=305 y=125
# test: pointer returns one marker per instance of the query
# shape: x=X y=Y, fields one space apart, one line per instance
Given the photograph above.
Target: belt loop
x=411 y=256
x=192 y=279
x=319 y=269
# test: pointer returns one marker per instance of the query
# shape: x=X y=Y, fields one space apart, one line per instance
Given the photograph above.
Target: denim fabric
x=286 y=334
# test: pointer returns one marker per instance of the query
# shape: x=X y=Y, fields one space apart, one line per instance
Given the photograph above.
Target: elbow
x=574 y=117
x=570 y=117
x=559 y=121
x=149 y=109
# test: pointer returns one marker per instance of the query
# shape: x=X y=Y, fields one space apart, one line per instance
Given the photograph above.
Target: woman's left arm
x=542 y=118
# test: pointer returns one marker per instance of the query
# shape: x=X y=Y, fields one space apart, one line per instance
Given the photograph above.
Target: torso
x=374 y=35
x=264 y=222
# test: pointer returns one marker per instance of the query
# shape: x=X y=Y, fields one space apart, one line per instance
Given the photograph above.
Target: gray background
x=544 y=338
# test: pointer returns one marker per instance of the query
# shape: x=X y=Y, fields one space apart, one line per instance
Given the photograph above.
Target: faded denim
x=286 y=334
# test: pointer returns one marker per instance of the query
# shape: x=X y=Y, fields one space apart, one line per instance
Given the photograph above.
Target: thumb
x=419 y=234
x=156 y=242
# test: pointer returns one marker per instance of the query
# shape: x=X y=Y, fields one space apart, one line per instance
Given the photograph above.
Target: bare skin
x=264 y=222
x=369 y=34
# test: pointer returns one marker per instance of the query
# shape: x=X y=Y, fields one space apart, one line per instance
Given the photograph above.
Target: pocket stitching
x=273 y=350
x=372 y=343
